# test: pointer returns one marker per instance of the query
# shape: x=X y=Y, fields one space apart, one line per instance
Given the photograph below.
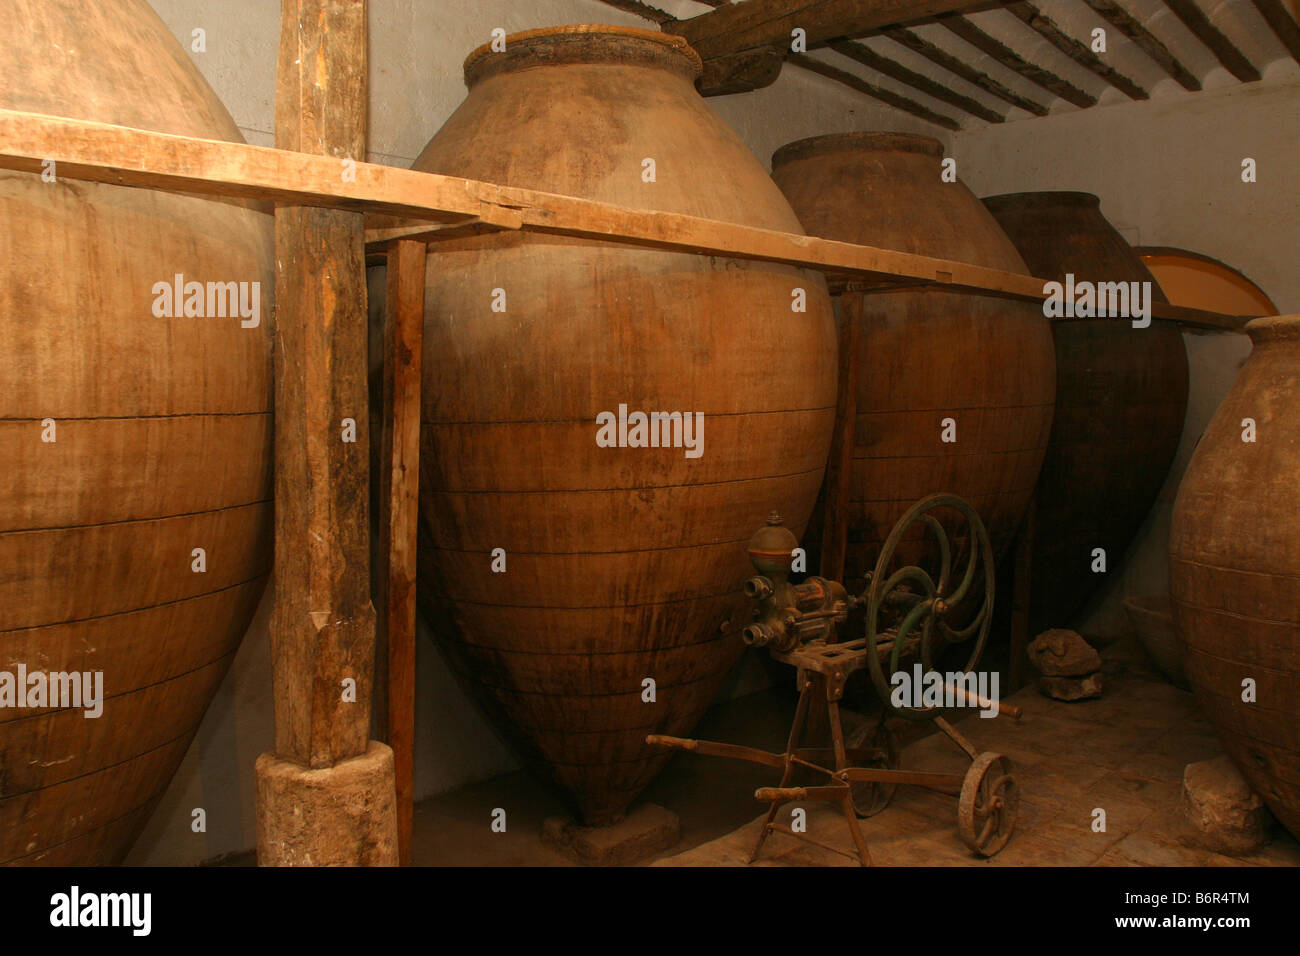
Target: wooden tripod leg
x=841 y=762
x=851 y=817
x=837 y=734
x=796 y=729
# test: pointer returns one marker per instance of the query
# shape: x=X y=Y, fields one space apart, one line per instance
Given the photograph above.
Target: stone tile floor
x=1124 y=753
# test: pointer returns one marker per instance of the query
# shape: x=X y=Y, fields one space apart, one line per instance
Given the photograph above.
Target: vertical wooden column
x=325 y=796
x=839 y=468
x=399 y=496
x=323 y=627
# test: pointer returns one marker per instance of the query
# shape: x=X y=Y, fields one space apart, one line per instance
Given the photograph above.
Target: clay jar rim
x=883 y=141
x=1044 y=199
x=1274 y=328
x=584 y=43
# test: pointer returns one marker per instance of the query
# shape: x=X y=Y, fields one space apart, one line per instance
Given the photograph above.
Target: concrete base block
x=345 y=815
x=645 y=830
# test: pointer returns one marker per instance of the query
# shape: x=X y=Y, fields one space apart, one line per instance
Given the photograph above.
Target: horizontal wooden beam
x=1282 y=24
x=1046 y=27
x=952 y=64
x=642 y=10
x=729 y=36
x=896 y=100
x=883 y=64
x=755 y=23
x=1233 y=60
x=98 y=152
x=1013 y=61
x=1147 y=42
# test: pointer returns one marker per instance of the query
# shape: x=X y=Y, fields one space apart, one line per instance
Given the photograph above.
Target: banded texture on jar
x=162 y=431
x=1234 y=568
x=1121 y=398
x=623 y=565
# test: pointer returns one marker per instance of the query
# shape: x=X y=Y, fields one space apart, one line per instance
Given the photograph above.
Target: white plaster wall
x=1165 y=174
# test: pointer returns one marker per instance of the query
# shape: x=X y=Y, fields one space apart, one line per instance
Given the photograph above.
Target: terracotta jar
x=617 y=613
x=1234 y=568
x=1121 y=397
x=927 y=355
x=132 y=436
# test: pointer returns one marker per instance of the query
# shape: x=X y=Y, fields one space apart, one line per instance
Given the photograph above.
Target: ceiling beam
x=885 y=96
x=882 y=64
x=754 y=69
x=641 y=10
x=754 y=23
x=943 y=58
x=1045 y=27
x=1233 y=60
x=1281 y=23
x=1125 y=23
x=1013 y=61
x=732 y=28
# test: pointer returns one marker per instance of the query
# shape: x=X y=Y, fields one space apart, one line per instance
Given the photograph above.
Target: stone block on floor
x=647 y=829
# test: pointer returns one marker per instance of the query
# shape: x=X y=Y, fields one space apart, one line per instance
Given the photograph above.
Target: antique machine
x=910 y=615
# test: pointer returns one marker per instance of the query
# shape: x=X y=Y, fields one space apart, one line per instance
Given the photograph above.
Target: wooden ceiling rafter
x=1003 y=54
x=1282 y=24
x=869 y=58
x=1224 y=50
x=889 y=97
x=831 y=72
x=731 y=27
x=1045 y=27
x=745 y=44
x=1145 y=41
x=895 y=71
x=941 y=57
x=640 y=9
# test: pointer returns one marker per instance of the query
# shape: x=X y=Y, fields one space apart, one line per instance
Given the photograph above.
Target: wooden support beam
x=1046 y=27
x=1013 y=61
x=399 y=476
x=838 y=486
x=882 y=64
x=98 y=152
x=1282 y=24
x=322 y=624
x=1147 y=42
x=968 y=73
x=757 y=23
x=1022 y=585
x=642 y=10
x=729 y=37
x=895 y=100
x=1233 y=60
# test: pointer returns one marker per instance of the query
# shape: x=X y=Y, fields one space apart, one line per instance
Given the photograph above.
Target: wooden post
x=1020 y=596
x=399 y=475
x=839 y=469
x=325 y=796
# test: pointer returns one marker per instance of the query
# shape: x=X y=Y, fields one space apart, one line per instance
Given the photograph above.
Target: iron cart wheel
x=909 y=599
x=870 y=796
x=987 y=807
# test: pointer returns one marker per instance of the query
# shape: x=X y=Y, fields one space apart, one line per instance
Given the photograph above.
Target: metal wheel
x=986 y=809
x=909 y=600
x=870 y=797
